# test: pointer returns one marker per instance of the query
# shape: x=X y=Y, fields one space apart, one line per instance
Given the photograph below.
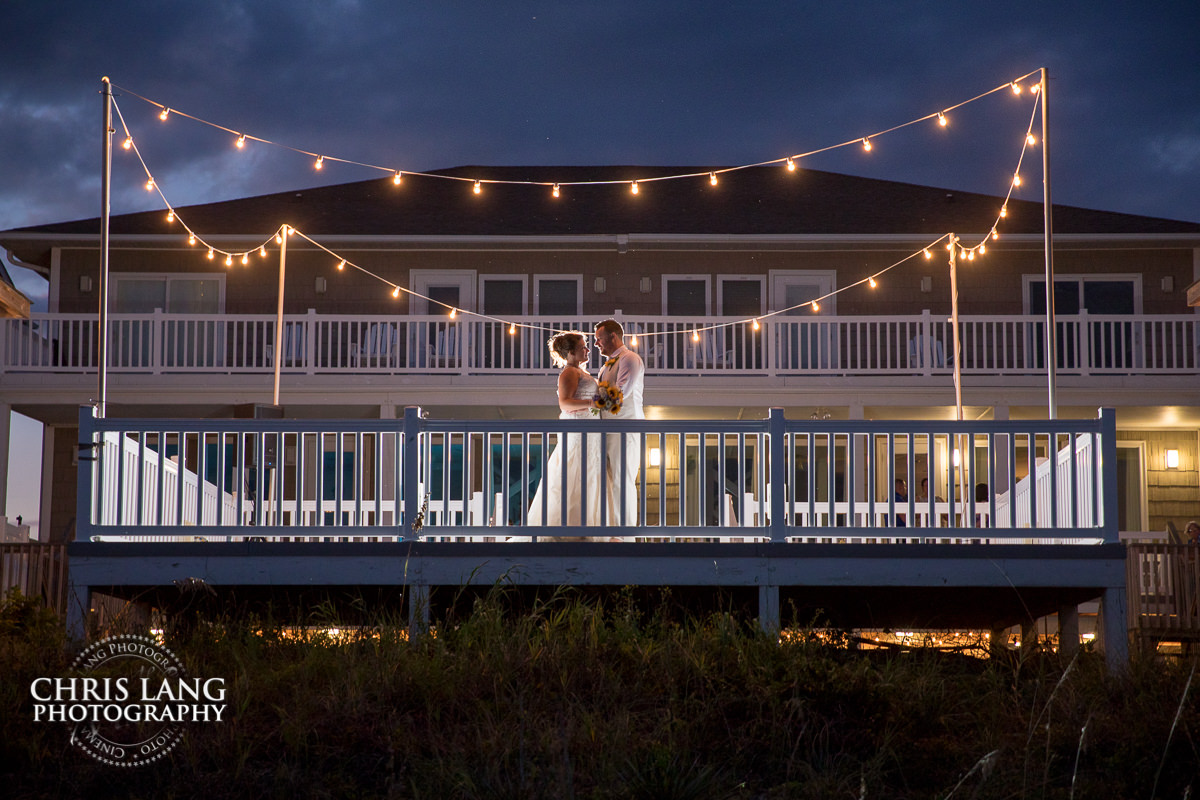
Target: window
x=1106 y=344
x=686 y=296
x=503 y=294
x=740 y=296
x=141 y=293
x=183 y=343
x=557 y=296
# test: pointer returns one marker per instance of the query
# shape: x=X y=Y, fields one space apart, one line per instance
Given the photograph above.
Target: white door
x=802 y=343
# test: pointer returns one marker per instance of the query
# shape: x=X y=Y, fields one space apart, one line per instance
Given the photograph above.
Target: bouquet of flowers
x=608 y=398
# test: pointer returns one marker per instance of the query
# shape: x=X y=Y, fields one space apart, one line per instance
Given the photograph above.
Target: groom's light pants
x=623 y=477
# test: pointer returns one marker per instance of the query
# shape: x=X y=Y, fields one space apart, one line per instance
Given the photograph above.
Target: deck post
x=410 y=484
x=79 y=602
x=1114 y=633
x=777 y=475
x=768 y=609
x=1068 y=630
x=1108 y=489
x=88 y=452
x=418 y=610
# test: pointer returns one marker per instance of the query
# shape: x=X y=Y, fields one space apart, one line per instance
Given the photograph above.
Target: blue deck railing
x=457 y=480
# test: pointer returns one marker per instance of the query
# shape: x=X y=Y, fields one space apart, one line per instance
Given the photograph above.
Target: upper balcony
x=469 y=358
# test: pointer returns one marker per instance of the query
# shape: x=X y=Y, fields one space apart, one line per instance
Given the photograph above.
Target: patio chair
x=378 y=347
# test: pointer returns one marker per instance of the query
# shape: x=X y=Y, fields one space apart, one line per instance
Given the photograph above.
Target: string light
x=942 y=119
x=554 y=191
x=163 y=115
x=341 y=265
x=871 y=282
x=320 y=162
x=1017 y=179
x=399 y=176
x=695 y=335
x=1031 y=140
x=150 y=184
x=191 y=238
x=278 y=239
x=228 y=260
x=633 y=187
x=128 y=143
x=995 y=234
x=1003 y=211
x=245 y=259
x=210 y=254
x=866 y=144
x=633 y=340
x=478 y=187
x=241 y=141
x=396 y=292
x=982 y=249
x=791 y=165
x=971 y=255
x=512 y=329
x=816 y=306
x=712 y=178
x=756 y=325
x=171 y=215
x=1016 y=87
x=1035 y=88
x=262 y=250
x=928 y=255
x=453 y=313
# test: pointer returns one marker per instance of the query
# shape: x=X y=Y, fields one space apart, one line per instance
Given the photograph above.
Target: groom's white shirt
x=629 y=374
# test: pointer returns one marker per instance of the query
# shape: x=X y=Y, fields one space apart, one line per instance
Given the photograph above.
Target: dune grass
x=582 y=698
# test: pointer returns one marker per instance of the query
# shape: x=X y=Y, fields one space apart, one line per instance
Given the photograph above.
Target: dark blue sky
x=424 y=85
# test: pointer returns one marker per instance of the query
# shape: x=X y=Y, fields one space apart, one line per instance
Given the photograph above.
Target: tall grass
x=575 y=698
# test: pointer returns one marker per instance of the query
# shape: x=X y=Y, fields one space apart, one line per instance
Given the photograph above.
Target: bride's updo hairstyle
x=561 y=345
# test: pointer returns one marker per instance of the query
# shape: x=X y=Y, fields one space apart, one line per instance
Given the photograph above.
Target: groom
x=625 y=369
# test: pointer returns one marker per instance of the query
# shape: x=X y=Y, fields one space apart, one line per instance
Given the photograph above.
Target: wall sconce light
x=927 y=284
x=655 y=457
x=1168 y=283
x=321 y=285
x=644 y=285
x=85 y=283
x=600 y=285
x=1172 y=459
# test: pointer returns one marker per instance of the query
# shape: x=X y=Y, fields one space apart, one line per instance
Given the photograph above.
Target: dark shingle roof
x=757 y=200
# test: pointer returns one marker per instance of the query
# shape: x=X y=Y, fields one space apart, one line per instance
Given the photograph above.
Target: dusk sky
x=420 y=86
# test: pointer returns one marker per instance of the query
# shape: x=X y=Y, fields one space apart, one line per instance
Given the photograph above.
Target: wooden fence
x=36 y=569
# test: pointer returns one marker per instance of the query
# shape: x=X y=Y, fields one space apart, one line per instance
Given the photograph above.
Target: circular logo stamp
x=129 y=699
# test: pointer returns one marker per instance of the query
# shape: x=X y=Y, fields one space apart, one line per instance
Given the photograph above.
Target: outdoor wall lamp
x=1172 y=459
x=600 y=285
x=655 y=457
x=85 y=283
x=321 y=285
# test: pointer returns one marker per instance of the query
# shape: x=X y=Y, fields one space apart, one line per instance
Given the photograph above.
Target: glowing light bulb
x=816 y=306
x=150 y=184
x=278 y=239
x=245 y=259
x=478 y=187
x=712 y=178
x=164 y=113
x=228 y=260
x=1035 y=88
x=1016 y=87
x=1017 y=179
x=942 y=119
x=756 y=325
x=341 y=265
x=453 y=313
x=262 y=250
x=633 y=188
x=396 y=292
x=871 y=282
x=928 y=255
x=695 y=336
x=791 y=165
x=982 y=249
x=1003 y=211
x=512 y=329
x=241 y=141
x=962 y=252
x=633 y=340
x=128 y=143
x=971 y=255
x=191 y=238
x=1030 y=139
x=995 y=234
x=555 y=191
x=170 y=216
x=399 y=176
x=319 y=163
x=867 y=145
x=210 y=254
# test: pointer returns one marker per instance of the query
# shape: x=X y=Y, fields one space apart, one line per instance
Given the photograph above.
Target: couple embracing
x=580 y=396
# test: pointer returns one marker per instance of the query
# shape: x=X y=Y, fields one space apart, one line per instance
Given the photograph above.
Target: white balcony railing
x=849 y=346
x=768 y=480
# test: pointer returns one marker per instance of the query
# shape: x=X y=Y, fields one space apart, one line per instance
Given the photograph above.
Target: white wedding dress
x=581 y=477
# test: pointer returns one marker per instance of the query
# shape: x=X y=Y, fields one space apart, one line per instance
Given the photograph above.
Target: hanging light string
x=319 y=159
x=814 y=303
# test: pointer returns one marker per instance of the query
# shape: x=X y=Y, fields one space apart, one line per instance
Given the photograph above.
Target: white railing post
x=157 y=338
x=410 y=478
x=310 y=341
x=1083 y=340
x=777 y=425
x=84 y=475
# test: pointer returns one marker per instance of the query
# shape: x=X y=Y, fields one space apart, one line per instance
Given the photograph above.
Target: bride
x=576 y=390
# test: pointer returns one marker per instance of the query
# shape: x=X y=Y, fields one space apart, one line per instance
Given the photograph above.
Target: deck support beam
x=1068 y=630
x=418 y=610
x=768 y=609
x=1113 y=632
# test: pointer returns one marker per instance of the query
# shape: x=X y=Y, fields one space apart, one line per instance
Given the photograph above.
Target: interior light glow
x=1172 y=459
x=655 y=456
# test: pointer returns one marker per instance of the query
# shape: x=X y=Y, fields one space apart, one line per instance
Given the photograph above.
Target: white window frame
x=822 y=277
x=707 y=279
x=421 y=279
x=1080 y=278
x=522 y=279
x=166 y=277
x=762 y=290
x=537 y=297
